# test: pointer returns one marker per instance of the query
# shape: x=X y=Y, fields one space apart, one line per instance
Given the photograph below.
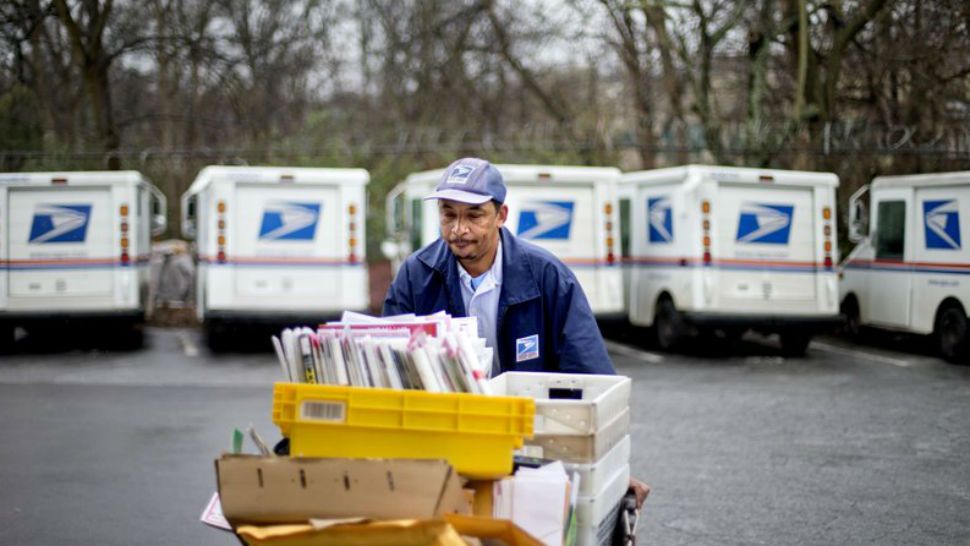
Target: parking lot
x=853 y=444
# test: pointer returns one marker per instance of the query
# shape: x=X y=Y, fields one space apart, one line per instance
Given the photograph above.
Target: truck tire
x=131 y=338
x=794 y=343
x=6 y=339
x=216 y=337
x=951 y=334
x=853 y=318
x=668 y=325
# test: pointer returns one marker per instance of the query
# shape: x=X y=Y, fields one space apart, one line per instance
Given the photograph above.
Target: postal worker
x=530 y=308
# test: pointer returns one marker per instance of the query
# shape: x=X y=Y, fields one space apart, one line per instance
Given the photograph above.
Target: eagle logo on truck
x=59 y=224
x=659 y=220
x=942 y=219
x=546 y=220
x=284 y=221
x=765 y=224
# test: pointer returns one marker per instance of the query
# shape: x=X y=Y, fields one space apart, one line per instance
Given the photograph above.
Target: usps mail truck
x=731 y=249
x=74 y=247
x=566 y=210
x=276 y=245
x=910 y=271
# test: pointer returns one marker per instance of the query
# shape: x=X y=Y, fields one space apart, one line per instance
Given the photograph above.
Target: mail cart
x=581 y=420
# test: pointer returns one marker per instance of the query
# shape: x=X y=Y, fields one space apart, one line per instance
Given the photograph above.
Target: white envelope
x=539 y=501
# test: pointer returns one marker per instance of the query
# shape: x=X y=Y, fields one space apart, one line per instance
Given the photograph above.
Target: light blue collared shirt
x=481 y=301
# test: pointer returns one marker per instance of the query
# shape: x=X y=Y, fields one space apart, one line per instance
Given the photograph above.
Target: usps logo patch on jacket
x=527 y=348
x=284 y=221
x=59 y=224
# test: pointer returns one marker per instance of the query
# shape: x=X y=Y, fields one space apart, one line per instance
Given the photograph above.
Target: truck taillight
x=221 y=232
x=351 y=234
x=608 y=213
x=706 y=230
x=123 y=229
x=827 y=237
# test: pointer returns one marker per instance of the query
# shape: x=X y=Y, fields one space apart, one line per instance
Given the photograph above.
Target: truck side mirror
x=858 y=217
x=158 y=206
x=159 y=224
x=188 y=217
x=390 y=249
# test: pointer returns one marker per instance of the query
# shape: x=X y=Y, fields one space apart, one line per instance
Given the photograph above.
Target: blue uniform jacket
x=544 y=322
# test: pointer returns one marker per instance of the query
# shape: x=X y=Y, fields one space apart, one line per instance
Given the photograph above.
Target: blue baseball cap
x=472 y=181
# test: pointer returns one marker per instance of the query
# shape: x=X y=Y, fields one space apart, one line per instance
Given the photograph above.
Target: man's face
x=471 y=231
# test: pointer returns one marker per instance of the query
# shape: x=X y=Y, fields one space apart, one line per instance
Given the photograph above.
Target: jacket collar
x=518 y=280
x=439 y=258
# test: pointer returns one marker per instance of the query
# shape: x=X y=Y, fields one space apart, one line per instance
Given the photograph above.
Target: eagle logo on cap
x=460 y=174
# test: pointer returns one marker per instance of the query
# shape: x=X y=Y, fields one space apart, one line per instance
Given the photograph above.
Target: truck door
x=890 y=283
x=765 y=247
x=562 y=219
x=282 y=235
x=61 y=242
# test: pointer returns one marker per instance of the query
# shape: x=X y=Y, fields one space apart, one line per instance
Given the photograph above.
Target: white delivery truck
x=74 y=246
x=732 y=249
x=566 y=210
x=276 y=245
x=908 y=273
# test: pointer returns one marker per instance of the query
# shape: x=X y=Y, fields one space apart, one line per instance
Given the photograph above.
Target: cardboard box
x=270 y=490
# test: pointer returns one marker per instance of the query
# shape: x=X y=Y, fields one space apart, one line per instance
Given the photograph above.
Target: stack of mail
x=436 y=353
x=539 y=500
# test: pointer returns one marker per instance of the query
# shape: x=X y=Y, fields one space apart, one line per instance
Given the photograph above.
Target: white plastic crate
x=602 y=534
x=596 y=516
x=596 y=477
x=591 y=510
x=572 y=448
x=600 y=398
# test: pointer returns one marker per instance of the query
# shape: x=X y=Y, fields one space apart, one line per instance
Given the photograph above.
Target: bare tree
x=85 y=26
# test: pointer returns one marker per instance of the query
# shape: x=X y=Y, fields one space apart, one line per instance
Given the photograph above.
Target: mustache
x=457 y=240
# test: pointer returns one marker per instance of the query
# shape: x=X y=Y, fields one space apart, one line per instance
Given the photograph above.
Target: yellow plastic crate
x=476 y=434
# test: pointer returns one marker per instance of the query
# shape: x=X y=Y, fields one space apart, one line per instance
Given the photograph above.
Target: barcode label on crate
x=319 y=410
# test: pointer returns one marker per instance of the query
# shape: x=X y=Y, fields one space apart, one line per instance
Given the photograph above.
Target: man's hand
x=640 y=490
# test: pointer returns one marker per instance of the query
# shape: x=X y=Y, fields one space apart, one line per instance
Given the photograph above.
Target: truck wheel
x=216 y=337
x=951 y=334
x=131 y=338
x=853 y=319
x=794 y=343
x=6 y=339
x=669 y=325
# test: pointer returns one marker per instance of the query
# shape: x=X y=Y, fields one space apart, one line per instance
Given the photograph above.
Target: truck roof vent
x=58 y=181
x=766 y=178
